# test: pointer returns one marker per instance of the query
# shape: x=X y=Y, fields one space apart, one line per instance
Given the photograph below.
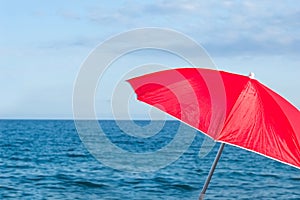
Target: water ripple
x=46 y=160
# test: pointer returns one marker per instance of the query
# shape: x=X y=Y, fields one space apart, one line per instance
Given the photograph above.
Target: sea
x=50 y=159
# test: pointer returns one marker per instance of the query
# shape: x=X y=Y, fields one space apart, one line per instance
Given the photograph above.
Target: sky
x=43 y=45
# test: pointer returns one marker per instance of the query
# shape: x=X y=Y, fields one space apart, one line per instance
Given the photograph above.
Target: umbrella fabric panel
x=227 y=107
x=257 y=122
x=178 y=94
x=195 y=96
x=290 y=112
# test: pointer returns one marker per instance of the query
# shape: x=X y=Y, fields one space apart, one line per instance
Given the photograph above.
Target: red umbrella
x=227 y=107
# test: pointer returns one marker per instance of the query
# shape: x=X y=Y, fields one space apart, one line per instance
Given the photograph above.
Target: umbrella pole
x=211 y=171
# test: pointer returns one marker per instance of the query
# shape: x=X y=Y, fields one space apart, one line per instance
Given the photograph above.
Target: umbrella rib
x=230 y=114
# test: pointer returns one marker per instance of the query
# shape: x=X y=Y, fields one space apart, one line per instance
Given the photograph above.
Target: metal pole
x=212 y=169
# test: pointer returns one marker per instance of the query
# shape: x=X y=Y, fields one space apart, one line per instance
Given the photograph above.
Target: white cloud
x=232 y=24
x=68 y=14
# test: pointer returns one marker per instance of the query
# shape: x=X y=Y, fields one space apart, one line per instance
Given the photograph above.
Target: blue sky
x=44 y=43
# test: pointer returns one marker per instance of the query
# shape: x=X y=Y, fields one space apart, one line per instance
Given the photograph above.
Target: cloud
x=172 y=7
x=68 y=14
x=75 y=42
x=227 y=27
x=252 y=47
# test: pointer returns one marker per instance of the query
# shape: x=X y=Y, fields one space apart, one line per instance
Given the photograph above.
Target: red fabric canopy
x=227 y=107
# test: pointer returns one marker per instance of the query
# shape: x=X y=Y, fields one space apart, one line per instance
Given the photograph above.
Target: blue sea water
x=45 y=159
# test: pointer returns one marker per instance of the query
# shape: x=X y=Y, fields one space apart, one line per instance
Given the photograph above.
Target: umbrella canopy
x=227 y=107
